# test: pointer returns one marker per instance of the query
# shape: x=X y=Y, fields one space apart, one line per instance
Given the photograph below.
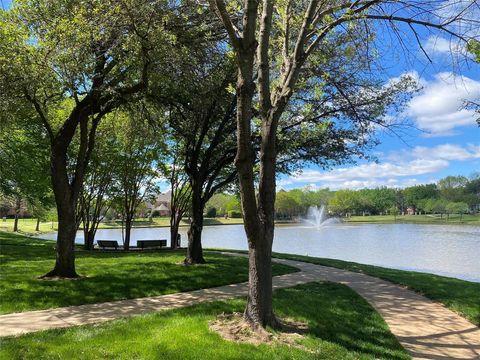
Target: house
x=410 y=211
x=161 y=204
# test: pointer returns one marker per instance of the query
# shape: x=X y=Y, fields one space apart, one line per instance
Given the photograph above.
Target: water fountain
x=317 y=216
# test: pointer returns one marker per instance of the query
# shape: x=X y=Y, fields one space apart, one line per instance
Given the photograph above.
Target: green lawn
x=341 y=326
x=110 y=275
x=417 y=219
x=459 y=295
x=27 y=226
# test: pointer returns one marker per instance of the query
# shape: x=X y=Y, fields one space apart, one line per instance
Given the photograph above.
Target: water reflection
x=440 y=249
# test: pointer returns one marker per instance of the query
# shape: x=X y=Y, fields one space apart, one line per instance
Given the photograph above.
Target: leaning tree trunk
x=194 y=249
x=37 y=227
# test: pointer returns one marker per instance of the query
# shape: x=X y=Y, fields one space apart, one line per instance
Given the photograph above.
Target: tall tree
x=202 y=121
x=98 y=186
x=24 y=157
x=278 y=47
x=73 y=63
x=180 y=198
x=139 y=163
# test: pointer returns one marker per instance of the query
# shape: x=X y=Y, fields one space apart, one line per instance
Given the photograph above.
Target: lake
x=449 y=250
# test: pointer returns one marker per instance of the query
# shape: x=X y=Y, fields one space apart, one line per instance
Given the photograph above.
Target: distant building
x=162 y=204
x=410 y=211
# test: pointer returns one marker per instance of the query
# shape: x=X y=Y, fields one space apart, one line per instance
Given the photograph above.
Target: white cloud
x=368 y=175
x=442 y=152
x=438 y=107
x=400 y=169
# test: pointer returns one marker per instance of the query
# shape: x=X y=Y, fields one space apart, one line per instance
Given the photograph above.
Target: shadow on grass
x=109 y=275
x=341 y=326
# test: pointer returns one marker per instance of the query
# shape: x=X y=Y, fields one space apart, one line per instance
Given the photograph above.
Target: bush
x=211 y=212
x=155 y=213
x=234 y=214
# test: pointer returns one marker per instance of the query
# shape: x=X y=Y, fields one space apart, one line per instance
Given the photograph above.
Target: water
x=448 y=250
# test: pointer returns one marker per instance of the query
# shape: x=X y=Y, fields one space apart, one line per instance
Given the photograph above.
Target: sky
x=446 y=140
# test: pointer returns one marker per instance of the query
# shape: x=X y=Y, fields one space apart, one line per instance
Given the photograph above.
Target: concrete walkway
x=426 y=329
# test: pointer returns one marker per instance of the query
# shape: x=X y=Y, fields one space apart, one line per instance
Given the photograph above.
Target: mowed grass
x=454 y=219
x=458 y=295
x=27 y=226
x=107 y=275
x=341 y=325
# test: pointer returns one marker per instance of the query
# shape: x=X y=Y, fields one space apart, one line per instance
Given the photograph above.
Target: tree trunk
x=37 y=227
x=15 y=223
x=67 y=230
x=18 y=204
x=89 y=237
x=66 y=200
x=174 y=225
x=259 y=311
x=128 y=230
x=194 y=249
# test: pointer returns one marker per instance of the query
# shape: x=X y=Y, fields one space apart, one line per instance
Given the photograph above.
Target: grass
x=454 y=219
x=110 y=275
x=341 y=326
x=27 y=226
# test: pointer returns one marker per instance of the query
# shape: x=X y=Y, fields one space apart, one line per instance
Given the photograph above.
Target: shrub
x=234 y=214
x=211 y=212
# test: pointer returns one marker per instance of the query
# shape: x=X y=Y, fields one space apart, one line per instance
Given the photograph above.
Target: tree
x=286 y=206
x=98 y=186
x=220 y=201
x=72 y=64
x=283 y=41
x=180 y=199
x=139 y=162
x=201 y=118
x=343 y=202
x=394 y=211
x=414 y=194
x=24 y=158
x=456 y=208
x=452 y=187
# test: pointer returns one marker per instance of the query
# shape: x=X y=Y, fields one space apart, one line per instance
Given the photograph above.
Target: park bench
x=107 y=244
x=143 y=244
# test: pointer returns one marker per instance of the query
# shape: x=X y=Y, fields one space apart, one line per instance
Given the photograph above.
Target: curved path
x=426 y=329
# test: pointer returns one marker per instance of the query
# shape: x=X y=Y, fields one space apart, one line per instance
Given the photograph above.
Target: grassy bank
x=458 y=295
x=341 y=325
x=454 y=219
x=109 y=275
x=27 y=226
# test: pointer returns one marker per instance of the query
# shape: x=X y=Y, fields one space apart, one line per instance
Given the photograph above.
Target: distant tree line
x=450 y=195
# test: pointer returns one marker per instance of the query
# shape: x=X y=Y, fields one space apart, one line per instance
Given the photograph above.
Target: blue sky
x=449 y=140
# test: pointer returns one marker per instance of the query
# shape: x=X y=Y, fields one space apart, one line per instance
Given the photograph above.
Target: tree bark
x=18 y=204
x=67 y=229
x=128 y=230
x=174 y=225
x=89 y=237
x=194 y=249
x=37 y=227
